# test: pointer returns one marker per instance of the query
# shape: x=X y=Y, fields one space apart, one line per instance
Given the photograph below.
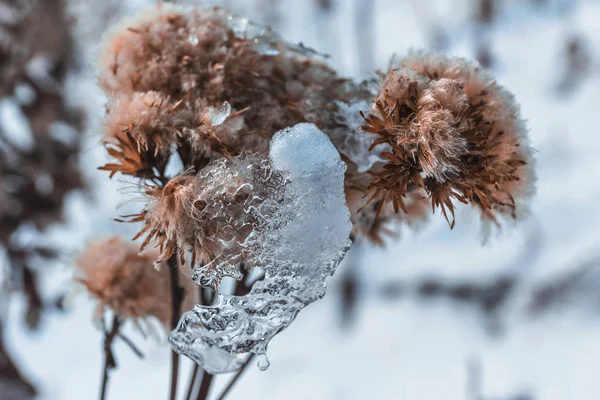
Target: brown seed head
x=120 y=279
x=179 y=66
x=454 y=133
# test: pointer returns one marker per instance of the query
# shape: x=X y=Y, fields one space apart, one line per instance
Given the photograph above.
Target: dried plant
x=577 y=286
x=453 y=132
x=218 y=92
x=577 y=63
x=483 y=18
x=199 y=84
x=212 y=89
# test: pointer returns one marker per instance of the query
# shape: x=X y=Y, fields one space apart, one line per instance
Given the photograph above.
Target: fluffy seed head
x=120 y=279
x=183 y=67
x=453 y=132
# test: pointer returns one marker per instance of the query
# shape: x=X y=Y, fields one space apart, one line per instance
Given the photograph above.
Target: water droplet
x=263 y=362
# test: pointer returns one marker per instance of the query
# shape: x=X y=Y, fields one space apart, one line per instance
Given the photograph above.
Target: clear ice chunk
x=218 y=115
x=300 y=233
x=264 y=39
x=266 y=47
x=243 y=28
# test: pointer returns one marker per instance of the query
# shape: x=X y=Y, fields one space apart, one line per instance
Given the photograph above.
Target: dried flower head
x=120 y=279
x=164 y=48
x=211 y=85
x=454 y=132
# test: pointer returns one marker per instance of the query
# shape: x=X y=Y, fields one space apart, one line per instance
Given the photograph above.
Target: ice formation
x=264 y=39
x=357 y=142
x=219 y=114
x=300 y=232
x=243 y=28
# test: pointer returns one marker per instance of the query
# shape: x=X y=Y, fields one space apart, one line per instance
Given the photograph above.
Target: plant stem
x=193 y=377
x=109 y=359
x=235 y=378
x=176 y=298
x=131 y=345
x=196 y=369
x=205 y=386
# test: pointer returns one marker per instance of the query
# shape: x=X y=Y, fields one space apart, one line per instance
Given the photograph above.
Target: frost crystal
x=300 y=232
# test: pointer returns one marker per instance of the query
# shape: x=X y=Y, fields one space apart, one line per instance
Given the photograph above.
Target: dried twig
x=205 y=384
x=109 y=358
x=176 y=298
x=192 y=384
x=131 y=345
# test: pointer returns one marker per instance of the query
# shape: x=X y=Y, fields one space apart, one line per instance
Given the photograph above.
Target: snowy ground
x=404 y=349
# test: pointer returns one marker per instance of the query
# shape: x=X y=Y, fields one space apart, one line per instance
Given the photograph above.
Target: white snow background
x=396 y=349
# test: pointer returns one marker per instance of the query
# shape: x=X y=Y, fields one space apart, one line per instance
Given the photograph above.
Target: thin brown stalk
x=235 y=378
x=205 y=384
x=192 y=384
x=207 y=378
x=109 y=359
x=176 y=298
x=131 y=345
x=196 y=370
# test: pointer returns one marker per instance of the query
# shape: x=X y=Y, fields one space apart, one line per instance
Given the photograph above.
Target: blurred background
x=435 y=314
